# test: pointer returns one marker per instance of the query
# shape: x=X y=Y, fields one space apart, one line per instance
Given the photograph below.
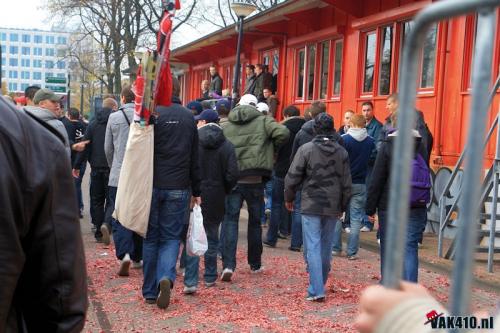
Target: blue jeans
x=279 y=214
x=167 y=219
x=252 y=194
x=193 y=262
x=268 y=199
x=318 y=239
x=78 y=185
x=296 y=241
x=357 y=210
x=417 y=219
x=337 y=238
x=126 y=241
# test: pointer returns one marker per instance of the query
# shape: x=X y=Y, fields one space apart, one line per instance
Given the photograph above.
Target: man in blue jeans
x=176 y=177
x=321 y=169
x=359 y=146
x=255 y=137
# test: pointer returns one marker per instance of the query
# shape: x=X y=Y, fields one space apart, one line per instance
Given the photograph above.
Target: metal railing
x=403 y=149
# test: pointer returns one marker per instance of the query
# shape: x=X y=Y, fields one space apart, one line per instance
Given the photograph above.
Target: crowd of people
x=317 y=181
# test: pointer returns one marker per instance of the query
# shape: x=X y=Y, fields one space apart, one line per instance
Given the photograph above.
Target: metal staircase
x=488 y=235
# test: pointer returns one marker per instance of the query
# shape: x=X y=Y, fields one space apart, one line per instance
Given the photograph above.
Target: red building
x=345 y=52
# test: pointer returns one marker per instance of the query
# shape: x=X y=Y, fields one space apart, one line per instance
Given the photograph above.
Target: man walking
x=128 y=245
x=176 y=178
x=255 y=137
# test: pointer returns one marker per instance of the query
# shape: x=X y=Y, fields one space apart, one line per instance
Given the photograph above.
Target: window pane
x=311 y=59
x=300 y=81
x=325 y=57
x=276 y=60
x=339 y=46
x=371 y=41
x=385 y=62
x=429 y=58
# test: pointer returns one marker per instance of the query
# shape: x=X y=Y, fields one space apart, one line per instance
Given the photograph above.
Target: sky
x=25 y=14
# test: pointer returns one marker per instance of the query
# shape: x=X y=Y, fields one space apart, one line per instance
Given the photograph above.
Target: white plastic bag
x=197 y=243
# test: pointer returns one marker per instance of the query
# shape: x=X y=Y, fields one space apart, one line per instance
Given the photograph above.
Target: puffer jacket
x=43 y=283
x=322 y=168
x=52 y=120
x=255 y=138
x=218 y=170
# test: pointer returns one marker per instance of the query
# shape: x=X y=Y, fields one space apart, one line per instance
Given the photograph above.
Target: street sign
x=61 y=80
x=57 y=89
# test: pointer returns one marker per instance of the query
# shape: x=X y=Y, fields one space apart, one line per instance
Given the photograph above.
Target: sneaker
x=336 y=253
x=353 y=257
x=163 y=299
x=257 y=271
x=150 y=301
x=347 y=230
x=226 y=275
x=209 y=284
x=294 y=249
x=137 y=264
x=190 y=290
x=268 y=244
x=124 y=266
x=315 y=298
x=106 y=239
x=281 y=236
x=365 y=229
x=378 y=241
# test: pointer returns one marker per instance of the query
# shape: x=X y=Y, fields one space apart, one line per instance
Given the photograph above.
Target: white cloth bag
x=197 y=243
x=135 y=185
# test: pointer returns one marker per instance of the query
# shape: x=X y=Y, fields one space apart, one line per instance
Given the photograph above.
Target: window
x=24 y=86
x=61 y=40
x=370 y=47
x=13 y=50
x=384 y=83
x=12 y=74
x=337 y=73
x=61 y=65
x=61 y=53
x=49 y=39
x=276 y=62
x=38 y=39
x=4 y=49
x=26 y=38
x=25 y=63
x=25 y=75
x=325 y=62
x=311 y=67
x=49 y=52
x=61 y=75
x=12 y=86
x=25 y=50
x=37 y=75
x=14 y=37
x=49 y=74
x=49 y=64
x=37 y=51
x=301 y=67
x=3 y=36
x=429 y=58
x=4 y=62
x=13 y=62
x=37 y=63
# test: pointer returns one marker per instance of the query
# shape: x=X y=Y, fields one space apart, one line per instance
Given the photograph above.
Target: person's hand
x=75 y=173
x=377 y=301
x=195 y=201
x=289 y=205
x=372 y=218
x=80 y=146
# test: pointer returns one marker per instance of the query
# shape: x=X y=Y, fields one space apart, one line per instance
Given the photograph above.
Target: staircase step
x=484 y=249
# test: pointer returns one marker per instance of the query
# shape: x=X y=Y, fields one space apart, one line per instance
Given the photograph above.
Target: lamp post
x=242 y=8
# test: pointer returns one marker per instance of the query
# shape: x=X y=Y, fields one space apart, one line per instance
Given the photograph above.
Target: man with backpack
x=378 y=197
x=128 y=245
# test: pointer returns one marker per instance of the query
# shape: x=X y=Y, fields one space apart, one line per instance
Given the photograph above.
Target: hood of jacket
x=294 y=124
x=244 y=114
x=211 y=136
x=326 y=143
x=308 y=127
x=41 y=113
x=359 y=134
x=103 y=115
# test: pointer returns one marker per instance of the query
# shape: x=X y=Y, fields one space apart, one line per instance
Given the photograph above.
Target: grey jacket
x=322 y=168
x=52 y=120
x=115 y=141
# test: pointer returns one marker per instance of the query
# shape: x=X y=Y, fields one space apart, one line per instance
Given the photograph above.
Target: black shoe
x=294 y=249
x=150 y=300
x=268 y=244
x=163 y=299
x=80 y=214
x=105 y=231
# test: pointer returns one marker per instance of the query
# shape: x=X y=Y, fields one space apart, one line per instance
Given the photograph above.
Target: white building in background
x=31 y=56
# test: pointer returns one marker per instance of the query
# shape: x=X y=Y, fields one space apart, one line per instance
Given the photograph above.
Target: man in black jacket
x=93 y=141
x=176 y=178
x=215 y=82
x=42 y=277
x=219 y=173
x=279 y=214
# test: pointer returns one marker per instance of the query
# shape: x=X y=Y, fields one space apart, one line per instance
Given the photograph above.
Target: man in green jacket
x=256 y=138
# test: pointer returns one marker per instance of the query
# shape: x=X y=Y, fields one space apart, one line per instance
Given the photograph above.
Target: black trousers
x=98 y=196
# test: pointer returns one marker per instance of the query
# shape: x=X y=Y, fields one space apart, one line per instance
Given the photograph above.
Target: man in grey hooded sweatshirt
x=47 y=108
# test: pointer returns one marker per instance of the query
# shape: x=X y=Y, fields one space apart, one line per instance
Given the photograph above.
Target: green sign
x=55 y=80
x=58 y=89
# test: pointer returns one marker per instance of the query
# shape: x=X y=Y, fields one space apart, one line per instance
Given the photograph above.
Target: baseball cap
x=208 y=115
x=248 y=99
x=195 y=106
x=263 y=107
x=44 y=94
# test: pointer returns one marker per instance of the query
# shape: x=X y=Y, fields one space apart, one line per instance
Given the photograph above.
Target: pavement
x=273 y=301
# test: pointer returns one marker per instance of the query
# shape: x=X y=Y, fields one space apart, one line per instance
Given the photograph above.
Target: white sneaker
x=190 y=290
x=124 y=266
x=347 y=230
x=226 y=275
x=209 y=284
x=137 y=264
x=336 y=253
x=378 y=241
x=365 y=229
x=258 y=270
